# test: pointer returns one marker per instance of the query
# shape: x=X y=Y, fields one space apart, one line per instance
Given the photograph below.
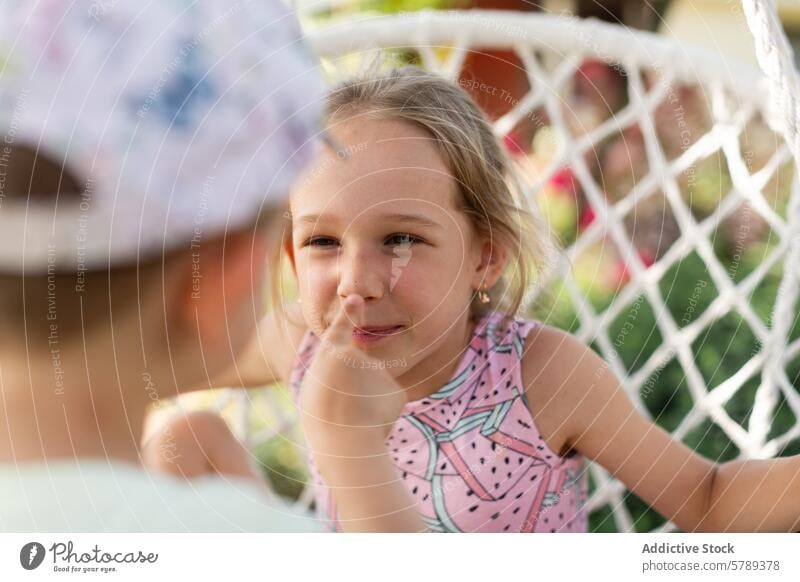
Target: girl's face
x=385 y=224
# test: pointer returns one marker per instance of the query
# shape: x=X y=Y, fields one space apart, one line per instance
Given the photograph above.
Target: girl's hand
x=348 y=404
x=345 y=389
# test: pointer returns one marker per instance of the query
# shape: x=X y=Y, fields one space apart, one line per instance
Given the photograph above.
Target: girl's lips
x=374 y=334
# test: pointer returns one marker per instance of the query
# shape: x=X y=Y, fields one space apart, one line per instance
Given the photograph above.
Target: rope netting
x=663 y=172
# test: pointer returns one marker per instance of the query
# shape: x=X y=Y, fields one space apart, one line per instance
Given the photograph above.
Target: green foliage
x=406 y=5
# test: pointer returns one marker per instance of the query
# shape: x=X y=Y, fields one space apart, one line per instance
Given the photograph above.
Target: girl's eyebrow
x=413 y=218
x=395 y=217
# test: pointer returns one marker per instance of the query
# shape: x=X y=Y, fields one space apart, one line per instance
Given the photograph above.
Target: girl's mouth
x=371 y=334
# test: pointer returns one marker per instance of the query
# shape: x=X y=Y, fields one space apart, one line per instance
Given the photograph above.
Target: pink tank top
x=470 y=453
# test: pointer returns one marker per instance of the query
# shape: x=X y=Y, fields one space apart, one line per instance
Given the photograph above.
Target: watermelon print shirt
x=470 y=453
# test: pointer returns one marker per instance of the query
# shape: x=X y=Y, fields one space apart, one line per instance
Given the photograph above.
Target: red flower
x=587 y=218
x=565 y=181
x=513 y=144
x=620 y=274
x=646 y=257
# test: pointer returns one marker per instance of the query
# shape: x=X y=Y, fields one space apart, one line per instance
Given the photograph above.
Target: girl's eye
x=397 y=239
x=402 y=239
x=321 y=241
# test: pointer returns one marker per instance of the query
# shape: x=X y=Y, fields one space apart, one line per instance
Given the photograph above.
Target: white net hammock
x=677 y=206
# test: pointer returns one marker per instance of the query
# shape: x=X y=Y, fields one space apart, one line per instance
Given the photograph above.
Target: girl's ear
x=492 y=258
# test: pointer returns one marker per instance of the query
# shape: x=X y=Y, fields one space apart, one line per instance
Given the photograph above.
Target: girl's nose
x=360 y=274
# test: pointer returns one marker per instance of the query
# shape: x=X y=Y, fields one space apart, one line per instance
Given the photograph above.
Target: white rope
x=776 y=60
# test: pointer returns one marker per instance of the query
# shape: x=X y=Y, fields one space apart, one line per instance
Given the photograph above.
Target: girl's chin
x=386 y=356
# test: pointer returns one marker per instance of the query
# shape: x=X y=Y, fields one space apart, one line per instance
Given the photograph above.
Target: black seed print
x=520 y=494
x=507 y=527
x=561 y=515
x=409 y=462
x=494 y=470
x=516 y=511
x=506 y=460
x=503 y=496
x=443 y=466
x=508 y=383
x=483 y=461
x=497 y=485
x=496 y=392
x=414 y=490
x=473 y=508
x=553 y=530
x=503 y=371
x=473 y=445
x=394 y=450
x=404 y=441
x=520 y=460
x=534 y=478
x=546 y=520
x=494 y=446
x=495 y=515
x=413 y=451
x=508 y=475
x=470 y=493
x=426 y=497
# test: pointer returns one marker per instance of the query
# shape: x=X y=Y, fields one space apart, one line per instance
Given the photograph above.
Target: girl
x=415 y=217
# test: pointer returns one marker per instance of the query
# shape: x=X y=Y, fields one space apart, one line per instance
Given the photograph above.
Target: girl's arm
x=369 y=494
x=347 y=407
x=584 y=407
x=269 y=356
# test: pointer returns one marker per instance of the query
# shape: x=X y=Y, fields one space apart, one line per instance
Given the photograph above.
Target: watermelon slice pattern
x=470 y=453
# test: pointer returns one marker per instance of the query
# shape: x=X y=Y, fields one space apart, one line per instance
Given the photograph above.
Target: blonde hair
x=491 y=194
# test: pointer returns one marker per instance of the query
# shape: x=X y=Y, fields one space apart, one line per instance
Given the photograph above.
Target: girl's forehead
x=380 y=162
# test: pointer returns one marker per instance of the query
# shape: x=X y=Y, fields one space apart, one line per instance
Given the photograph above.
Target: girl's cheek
x=318 y=288
x=425 y=286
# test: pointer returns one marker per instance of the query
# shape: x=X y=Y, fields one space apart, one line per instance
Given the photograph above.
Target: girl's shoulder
x=558 y=372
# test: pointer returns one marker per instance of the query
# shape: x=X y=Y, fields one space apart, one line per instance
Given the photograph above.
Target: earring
x=483 y=296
